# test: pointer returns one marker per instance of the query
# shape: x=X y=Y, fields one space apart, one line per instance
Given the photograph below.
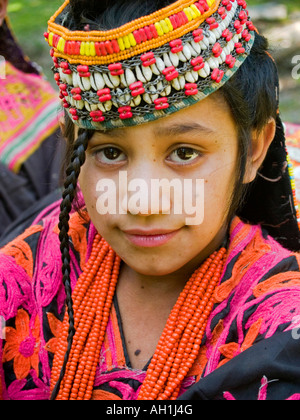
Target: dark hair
x=251 y=95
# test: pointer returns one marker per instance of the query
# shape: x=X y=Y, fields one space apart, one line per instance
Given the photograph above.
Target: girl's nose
x=144 y=196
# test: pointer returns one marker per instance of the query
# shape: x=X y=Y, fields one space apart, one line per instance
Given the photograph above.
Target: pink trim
x=36 y=141
x=13 y=138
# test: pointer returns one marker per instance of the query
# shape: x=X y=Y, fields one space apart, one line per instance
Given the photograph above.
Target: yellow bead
x=126 y=42
x=82 y=48
x=164 y=26
x=88 y=49
x=169 y=23
x=92 y=49
x=132 y=40
x=159 y=29
x=61 y=45
x=51 y=39
x=188 y=13
x=195 y=10
x=121 y=44
x=210 y=2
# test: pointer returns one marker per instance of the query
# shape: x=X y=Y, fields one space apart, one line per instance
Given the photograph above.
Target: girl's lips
x=150 y=239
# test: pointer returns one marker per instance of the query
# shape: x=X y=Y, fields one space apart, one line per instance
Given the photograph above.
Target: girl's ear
x=3 y=10
x=261 y=141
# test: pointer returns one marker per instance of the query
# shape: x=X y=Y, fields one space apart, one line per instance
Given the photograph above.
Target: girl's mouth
x=151 y=238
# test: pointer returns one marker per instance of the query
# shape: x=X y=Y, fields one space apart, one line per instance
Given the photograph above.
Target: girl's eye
x=184 y=154
x=110 y=155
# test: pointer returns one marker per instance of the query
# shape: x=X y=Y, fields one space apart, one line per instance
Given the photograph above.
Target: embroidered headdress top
x=152 y=66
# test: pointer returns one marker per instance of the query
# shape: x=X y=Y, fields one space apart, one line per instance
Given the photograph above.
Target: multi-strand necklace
x=178 y=346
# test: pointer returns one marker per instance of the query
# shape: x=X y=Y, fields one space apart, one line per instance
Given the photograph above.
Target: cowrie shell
x=167 y=60
x=160 y=64
x=140 y=75
x=176 y=84
x=147 y=98
x=196 y=47
x=189 y=77
x=115 y=80
x=187 y=52
x=108 y=105
x=101 y=107
x=87 y=106
x=130 y=77
x=86 y=83
x=155 y=70
x=205 y=71
x=174 y=59
x=107 y=81
x=181 y=81
x=79 y=104
x=147 y=73
x=99 y=81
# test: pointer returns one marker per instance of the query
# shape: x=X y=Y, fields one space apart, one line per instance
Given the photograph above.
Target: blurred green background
x=29 y=21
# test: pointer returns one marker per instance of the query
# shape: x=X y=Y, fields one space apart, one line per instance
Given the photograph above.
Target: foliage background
x=29 y=21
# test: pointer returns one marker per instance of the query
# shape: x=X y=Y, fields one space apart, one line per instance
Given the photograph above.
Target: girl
x=129 y=299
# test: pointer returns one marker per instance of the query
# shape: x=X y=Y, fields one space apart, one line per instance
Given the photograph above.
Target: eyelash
x=115 y=161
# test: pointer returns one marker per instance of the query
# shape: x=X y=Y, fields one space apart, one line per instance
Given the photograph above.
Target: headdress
x=151 y=67
x=164 y=62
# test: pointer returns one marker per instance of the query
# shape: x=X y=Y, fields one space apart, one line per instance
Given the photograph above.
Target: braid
x=72 y=172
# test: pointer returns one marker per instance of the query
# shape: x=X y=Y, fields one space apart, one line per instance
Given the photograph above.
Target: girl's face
x=196 y=151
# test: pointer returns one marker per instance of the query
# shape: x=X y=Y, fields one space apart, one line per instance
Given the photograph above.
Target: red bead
x=174 y=22
x=97 y=116
x=137 y=37
x=198 y=63
x=98 y=49
x=64 y=65
x=230 y=61
x=125 y=112
x=76 y=91
x=153 y=31
x=116 y=69
x=176 y=46
x=137 y=88
x=148 y=59
x=170 y=73
x=115 y=45
x=217 y=50
x=73 y=111
x=161 y=103
x=109 y=47
x=191 y=89
x=104 y=95
x=148 y=33
x=83 y=69
x=217 y=75
x=102 y=49
x=143 y=35
x=239 y=48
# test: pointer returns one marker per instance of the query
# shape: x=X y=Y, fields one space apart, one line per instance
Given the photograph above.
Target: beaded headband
x=151 y=67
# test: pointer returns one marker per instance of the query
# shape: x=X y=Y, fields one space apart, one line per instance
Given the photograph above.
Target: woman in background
x=30 y=143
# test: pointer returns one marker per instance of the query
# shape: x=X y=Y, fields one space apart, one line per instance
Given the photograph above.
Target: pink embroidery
x=262 y=392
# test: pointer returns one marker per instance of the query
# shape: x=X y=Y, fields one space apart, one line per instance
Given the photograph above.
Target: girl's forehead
x=208 y=117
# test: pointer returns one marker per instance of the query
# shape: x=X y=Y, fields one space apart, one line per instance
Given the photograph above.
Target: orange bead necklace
x=178 y=346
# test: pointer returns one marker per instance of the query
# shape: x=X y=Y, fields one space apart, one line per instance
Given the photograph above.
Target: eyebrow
x=182 y=128
x=166 y=131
